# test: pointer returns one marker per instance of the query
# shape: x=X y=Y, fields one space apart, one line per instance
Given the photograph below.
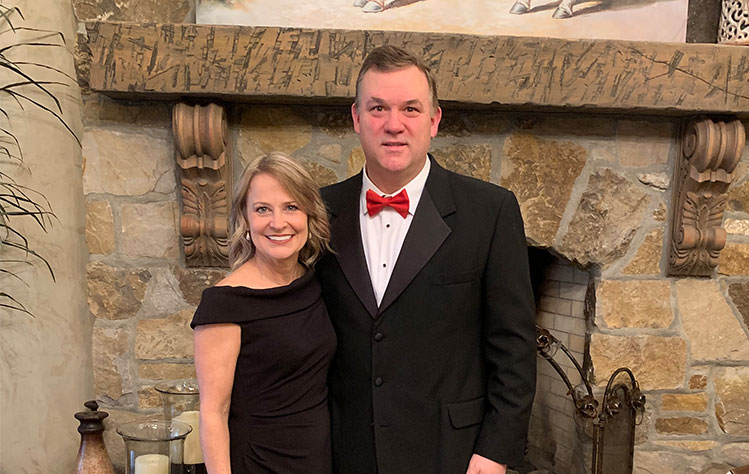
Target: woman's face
x=278 y=227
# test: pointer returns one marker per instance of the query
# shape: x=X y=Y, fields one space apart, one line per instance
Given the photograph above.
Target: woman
x=263 y=340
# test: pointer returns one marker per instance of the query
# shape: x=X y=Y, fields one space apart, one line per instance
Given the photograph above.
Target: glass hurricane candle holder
x=181 y=400
x=154 y=446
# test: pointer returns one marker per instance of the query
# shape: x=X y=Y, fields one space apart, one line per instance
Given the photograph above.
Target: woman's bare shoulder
x=246 y=275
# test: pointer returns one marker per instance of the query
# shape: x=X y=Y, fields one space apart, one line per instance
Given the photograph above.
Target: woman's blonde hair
x=300 y=185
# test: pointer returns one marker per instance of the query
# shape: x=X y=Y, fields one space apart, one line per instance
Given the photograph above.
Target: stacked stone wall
x=595 y=189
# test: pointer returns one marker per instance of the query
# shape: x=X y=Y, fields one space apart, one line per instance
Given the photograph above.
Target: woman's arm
x=216 y=352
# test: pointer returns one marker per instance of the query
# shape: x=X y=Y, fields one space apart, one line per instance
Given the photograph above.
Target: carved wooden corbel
x=709 y=154
x=205 y=164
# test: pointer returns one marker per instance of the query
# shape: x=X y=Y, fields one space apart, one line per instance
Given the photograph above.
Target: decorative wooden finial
x=709 y=154
x=205 y=164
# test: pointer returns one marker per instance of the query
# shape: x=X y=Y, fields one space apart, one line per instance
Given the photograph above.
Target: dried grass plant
x=18 y=203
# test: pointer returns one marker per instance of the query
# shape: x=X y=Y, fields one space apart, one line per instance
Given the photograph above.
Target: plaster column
x=45 y=361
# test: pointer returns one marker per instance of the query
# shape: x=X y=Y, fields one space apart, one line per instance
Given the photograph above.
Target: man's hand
x=481 y=465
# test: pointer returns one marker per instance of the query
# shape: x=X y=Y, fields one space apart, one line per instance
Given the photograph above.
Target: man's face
x=395 y=124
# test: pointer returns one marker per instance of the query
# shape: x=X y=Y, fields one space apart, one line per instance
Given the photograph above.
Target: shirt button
x=378 y=337
x=387 y=225
x=378 y=381
x=384 y=265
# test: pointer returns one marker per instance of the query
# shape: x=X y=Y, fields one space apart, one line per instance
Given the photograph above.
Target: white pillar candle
x=193 y=453
x=152 y=464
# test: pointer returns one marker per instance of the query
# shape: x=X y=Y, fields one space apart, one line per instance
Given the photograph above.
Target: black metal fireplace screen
x=610 y=424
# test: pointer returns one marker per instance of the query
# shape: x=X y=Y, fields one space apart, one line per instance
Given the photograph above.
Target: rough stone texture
x=680 y=425
x=99 y=227
x=142 y=11
x=690 y=445
x=336 y=122
x=659 y=181
x=148 y=397
x=322 y=175
x=734 y=259
x=332 y=152
x=602 y=152
x=643 y=143
x=647 y=260
x=716 y=468
x=82 y=60
x=108 y=345
x=737 y=227
x=127 y=163
x=684 y=402
x=657 y=362
x=355 y=161
x=634 y=304
x=163 y=295
x=735 y=453
x=607 y=217
x=247 y=152
x=165 y=338
x=732 y=399
x=739 y=293
x=741 y=173
x=642 y=430
x=453 y=124
x=579 y=126
x=100 y=108
x=113 y=441
x=193 y=281
x=469 y=160
x=115 y=293
x=166 y=371
x=266 y=129
x=738 y=198
x=707 y=319
x=542 y=185
x=487 y=123
x=697 y=382
x=660 y=213
x=662 y=462
x=150 y=230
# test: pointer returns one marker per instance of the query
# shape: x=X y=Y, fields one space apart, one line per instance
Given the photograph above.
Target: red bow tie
x=375 y=203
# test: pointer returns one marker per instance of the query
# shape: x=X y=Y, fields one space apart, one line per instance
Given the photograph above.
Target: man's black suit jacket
x=445 y=366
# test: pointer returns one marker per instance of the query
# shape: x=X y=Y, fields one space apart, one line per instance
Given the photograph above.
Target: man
x=429 y=293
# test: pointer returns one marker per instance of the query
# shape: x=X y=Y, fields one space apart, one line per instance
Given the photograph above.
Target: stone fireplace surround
x=591 y=161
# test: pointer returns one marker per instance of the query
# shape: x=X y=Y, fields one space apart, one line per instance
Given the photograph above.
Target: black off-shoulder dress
x=278 y=419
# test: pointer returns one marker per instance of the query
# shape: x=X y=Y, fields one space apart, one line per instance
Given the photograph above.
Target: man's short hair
x=392 y=58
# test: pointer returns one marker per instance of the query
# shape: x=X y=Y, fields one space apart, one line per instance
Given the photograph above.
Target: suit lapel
x=346 y=242
x=425 y=236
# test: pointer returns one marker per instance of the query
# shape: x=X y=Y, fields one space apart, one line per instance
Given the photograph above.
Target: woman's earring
x=247 y=236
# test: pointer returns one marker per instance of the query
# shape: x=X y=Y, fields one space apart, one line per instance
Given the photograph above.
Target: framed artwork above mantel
x=637 y=20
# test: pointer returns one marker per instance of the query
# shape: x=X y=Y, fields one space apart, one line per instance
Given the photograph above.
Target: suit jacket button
x=378 y=337
x=378 y=381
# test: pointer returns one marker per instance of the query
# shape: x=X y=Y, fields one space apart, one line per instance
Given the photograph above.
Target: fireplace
x=597 y=189
x=556 y=442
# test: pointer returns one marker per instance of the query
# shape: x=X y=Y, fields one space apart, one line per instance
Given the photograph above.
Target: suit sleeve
x=509 y=340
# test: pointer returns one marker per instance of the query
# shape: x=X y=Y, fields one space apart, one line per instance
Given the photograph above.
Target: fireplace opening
x=556 y=442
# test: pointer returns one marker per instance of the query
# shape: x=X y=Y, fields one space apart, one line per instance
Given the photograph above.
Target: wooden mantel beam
x=300 y=64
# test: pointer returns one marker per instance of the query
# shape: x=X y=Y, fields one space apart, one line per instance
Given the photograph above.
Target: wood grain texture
x=710 y=153
x=235 y=62
x=205 y=164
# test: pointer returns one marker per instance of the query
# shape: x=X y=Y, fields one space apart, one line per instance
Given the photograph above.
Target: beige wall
x=45 y=362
